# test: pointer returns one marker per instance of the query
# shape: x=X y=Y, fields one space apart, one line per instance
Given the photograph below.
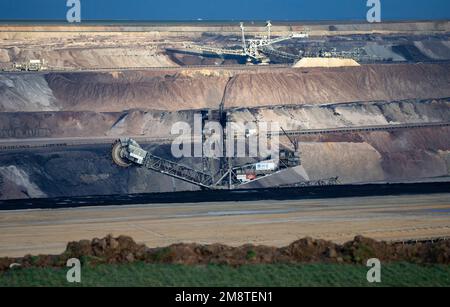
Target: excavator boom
x=127 y=152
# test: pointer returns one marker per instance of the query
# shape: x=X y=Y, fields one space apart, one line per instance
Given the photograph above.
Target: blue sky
x=224 y=10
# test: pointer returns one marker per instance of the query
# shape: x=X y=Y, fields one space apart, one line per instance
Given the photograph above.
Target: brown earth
x=325 y=62
x=378 y=156
x=129 y=90
x=177 y=89
x=105 y=92
x=150 y=45
x=338 y=85
x=267 y=222
x=157 y=124
x=406 y=155
x=158 y=30
x=359 y=157
x=124 y=249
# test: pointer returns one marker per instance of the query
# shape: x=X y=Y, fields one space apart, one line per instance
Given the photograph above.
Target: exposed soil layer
x=124 y=250
x=163 y=44
x=196 y=89
x=406 y=155
x=180 y=28
x=337 y=85
x=400 y=155
x=86 y=170
x=157 y=124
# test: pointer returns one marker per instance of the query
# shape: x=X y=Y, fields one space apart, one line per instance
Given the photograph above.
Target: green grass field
x=140 y=274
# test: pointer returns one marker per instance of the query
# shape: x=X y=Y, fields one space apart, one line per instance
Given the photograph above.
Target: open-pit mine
x=88 y=110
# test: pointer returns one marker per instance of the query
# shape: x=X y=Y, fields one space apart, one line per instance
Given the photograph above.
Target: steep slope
x=195 y=89
x=27 y=92
x=158 y=124
x=344 y=84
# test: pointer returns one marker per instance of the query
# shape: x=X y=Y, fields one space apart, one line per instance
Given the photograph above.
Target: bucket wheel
x=116 y=153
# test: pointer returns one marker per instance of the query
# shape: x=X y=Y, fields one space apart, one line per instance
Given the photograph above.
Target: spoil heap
x=124 y=250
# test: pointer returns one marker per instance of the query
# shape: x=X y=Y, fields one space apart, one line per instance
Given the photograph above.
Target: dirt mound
x=339 y=85
x=325 y=62
x=129 y=90
x=124 y=250
x=157 y=123
x=27 y=92
x=109 y=249
x=175 y=90
x=4 y=56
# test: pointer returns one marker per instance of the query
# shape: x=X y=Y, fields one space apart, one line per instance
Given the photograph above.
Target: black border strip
x=316 y=192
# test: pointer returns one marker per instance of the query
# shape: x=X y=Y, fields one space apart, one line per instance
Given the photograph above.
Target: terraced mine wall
x=97 y=46
x=193 y=29
x=416 y=154
x=156 y=124
x=181 y=89
x=409 y=155
x=147 y=103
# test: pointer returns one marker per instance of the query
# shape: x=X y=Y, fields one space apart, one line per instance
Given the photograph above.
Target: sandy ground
x=263 y=222
x=325 y=62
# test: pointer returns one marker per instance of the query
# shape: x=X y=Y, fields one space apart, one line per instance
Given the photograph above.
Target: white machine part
x=270 y=165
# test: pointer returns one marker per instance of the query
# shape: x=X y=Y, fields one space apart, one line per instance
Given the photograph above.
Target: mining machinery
x=256 y=50
x=31 y=65
x=127 y=152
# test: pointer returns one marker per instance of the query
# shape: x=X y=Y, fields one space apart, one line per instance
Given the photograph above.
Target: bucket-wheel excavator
x=256 y=50
x=127 y=152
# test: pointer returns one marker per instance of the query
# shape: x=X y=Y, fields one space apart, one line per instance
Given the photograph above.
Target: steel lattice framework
x=178 y=171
